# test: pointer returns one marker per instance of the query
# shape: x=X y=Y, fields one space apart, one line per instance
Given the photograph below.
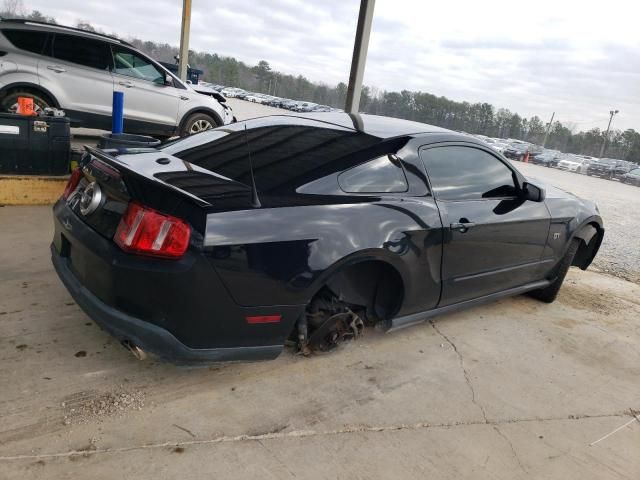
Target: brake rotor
x=335 y=329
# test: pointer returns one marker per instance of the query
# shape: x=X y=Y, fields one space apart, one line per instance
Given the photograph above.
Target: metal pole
x=184 y=39
x=117 y=113
x=360 y=47
x=606 y=135
x=546 y=134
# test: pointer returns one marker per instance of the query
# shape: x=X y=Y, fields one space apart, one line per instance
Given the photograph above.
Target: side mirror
x=533 y=192
x=160 y=81
x=164 y=81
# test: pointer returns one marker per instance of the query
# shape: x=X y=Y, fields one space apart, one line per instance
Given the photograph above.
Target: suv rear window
x=81 y=50
x=29 y=40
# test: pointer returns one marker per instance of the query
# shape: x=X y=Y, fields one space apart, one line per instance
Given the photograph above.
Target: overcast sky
x=577 y=58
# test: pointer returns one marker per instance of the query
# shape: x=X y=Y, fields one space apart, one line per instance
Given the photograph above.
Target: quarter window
x=29 y=40
x=465 y=173
x=381 y=175
x=81 y=50
x=133 y=65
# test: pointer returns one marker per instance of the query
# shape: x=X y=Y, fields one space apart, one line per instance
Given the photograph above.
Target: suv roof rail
x=64 y=27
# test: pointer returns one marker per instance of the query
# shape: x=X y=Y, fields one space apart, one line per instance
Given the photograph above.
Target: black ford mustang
x=227 y=244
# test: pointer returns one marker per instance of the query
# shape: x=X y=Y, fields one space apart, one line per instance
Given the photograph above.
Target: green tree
x=263 y=73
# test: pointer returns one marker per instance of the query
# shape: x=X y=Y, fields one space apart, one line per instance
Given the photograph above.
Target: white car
x=573 y=164
x=499 y=147
x=78 y=71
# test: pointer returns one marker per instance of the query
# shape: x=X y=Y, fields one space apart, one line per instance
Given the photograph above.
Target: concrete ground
x=510 y=390
x=514 y=389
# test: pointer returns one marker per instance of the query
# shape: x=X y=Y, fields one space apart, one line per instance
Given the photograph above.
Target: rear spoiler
x=148 y=175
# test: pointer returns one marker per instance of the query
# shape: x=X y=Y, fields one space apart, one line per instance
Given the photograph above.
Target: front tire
x=197 y=123
x=548 y=294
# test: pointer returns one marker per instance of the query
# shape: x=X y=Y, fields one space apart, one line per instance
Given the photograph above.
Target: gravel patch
x=84 y=407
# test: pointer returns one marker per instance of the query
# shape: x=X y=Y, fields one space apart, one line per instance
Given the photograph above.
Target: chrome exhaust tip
x=135 y=350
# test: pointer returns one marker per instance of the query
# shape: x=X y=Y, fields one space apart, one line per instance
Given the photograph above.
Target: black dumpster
x=34 y=145
x=127 y=140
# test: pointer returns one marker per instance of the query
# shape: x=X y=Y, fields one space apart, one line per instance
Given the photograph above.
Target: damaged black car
x=229 y=244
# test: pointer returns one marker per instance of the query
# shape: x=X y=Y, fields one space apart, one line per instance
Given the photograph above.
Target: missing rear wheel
x=328 y=322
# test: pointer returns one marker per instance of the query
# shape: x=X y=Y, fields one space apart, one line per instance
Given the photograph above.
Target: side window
x=466 y=173
x=381 y=175
x=83 y=51
x=31 y=41
x=129 y=63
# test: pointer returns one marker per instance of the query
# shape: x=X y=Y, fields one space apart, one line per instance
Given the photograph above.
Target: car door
x=76 y=71
x=493 y=239
x=147 y=100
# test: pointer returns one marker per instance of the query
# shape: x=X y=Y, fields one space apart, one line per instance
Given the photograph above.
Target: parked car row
x=273 y=101
x=609 y=168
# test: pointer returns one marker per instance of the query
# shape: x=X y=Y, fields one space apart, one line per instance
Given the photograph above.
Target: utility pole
x=360 y=47
x=546 y=134
x=184 y=39
x=606 y=135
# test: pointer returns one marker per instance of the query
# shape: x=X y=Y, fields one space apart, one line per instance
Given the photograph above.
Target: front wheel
x=197 y=123
x=549 y=293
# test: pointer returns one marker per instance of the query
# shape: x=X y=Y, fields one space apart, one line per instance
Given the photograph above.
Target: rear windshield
x=283 y=156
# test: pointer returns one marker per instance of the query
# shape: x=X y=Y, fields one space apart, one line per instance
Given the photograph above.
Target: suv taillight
x=72 y=184
x=146 y=232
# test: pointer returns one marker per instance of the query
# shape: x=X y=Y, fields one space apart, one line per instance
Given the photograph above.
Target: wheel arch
x=205 y=110
x=31 y=86
x=373 y=278
x=590 y=234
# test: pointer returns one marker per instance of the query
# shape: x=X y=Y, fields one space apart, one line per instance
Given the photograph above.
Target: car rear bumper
x=178 y=310
x=147 y=336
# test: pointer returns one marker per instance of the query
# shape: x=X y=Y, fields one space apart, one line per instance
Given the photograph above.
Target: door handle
x=56 y=68
x=462 y=227
x=126 y=84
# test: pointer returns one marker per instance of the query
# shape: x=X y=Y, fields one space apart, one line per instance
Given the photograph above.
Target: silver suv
x=78 y=72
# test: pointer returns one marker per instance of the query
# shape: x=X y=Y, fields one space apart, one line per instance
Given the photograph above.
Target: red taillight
x=72 y=184
x=146 y=232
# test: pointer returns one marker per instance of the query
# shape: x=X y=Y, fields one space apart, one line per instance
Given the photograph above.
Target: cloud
x=577 y=58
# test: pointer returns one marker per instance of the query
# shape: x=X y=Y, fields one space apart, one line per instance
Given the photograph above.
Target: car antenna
x=255 y=201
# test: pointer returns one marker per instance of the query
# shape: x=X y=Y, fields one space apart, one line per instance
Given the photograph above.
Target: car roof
x=53 y=27
x=375 y=125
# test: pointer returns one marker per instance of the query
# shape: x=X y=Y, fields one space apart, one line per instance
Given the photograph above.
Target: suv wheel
x=196 y=123
x=9 y=102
